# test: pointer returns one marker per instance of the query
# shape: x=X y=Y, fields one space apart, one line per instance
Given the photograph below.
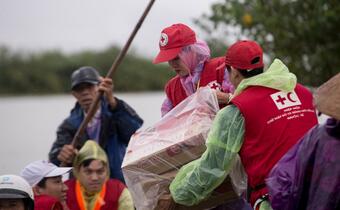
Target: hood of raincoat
x=90 y=150
x=277 y=76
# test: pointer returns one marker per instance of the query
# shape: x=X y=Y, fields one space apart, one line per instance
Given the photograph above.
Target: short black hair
x=246 y=73
x=28 y=204
x=250 y=73
x=42 y=183
x=87 y=162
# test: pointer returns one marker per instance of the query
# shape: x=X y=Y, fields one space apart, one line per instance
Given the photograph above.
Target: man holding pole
x=111 y=126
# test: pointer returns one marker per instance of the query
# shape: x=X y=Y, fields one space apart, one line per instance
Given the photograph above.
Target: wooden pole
x=110 y=73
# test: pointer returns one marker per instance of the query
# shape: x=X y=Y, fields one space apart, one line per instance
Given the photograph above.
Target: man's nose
x=64 y=187
x=94 y=176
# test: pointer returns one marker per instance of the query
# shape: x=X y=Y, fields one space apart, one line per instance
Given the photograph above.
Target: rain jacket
x=117 y=126
x=196 y=180
x=308 y=176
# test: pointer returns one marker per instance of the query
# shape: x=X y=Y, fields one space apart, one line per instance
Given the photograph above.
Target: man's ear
x=236 y=76
x=37 y=190
x=73 y=93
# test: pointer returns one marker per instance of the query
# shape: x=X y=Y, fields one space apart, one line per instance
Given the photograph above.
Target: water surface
x=28 y=124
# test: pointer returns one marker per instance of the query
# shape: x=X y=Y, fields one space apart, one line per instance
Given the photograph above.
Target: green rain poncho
x=196 y=180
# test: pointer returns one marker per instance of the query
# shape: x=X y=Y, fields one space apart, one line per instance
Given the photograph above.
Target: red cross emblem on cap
x=163 y=40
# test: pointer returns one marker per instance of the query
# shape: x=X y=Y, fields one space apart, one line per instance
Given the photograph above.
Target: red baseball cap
x=172 y=40
x=244 y=54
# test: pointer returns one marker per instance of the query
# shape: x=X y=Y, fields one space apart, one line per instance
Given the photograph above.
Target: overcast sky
x=74 y=25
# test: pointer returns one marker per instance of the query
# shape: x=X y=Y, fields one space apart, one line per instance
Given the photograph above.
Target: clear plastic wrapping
x=154 y=155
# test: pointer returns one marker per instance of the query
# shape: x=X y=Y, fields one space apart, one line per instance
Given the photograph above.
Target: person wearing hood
x=92 y=188
x=268 y=113
x=190 y=58
x=308 y=176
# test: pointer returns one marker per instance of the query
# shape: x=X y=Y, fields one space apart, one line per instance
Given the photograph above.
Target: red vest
x=274 y=122
x=114 y=188
x=211 y=75
x=45 y=202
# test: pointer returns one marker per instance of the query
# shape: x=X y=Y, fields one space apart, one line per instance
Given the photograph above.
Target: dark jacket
x=117 y=126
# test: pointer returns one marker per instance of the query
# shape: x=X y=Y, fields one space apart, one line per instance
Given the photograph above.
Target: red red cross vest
x=211 y=75
x=114 y=188
x=46 y=202
x=274 y=122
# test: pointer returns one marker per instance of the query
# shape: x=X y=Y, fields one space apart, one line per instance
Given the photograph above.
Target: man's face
x=54 y=186
x=12 y=204
x=93 y=176
x=234 y=76
x=179 y=67
x=85 y=94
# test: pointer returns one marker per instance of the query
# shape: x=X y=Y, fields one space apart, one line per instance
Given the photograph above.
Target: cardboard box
x=220 y=195
x=149 y=176
x=154 y=155
x=152 y=192
x=150 y=159
x=157 y=153
x=168 y=158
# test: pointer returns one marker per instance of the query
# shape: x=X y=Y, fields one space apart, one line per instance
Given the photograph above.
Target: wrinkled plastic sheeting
x=239 y=177
x=154 y=155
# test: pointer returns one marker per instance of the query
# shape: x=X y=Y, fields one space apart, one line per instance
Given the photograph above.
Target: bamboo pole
x=110 y=74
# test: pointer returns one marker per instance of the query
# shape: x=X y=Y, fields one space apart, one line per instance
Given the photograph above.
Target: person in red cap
x=189 y=57
x=268 y=113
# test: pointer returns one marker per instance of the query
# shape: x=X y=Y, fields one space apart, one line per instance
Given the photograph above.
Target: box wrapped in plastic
x=155 y=155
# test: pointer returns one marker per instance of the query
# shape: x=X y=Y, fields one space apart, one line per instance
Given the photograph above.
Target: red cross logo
x=163 y=40
x=281 y=100
x=214 y=85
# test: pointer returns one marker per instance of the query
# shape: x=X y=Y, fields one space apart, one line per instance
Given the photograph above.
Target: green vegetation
x=303 y=33
x=49 y=72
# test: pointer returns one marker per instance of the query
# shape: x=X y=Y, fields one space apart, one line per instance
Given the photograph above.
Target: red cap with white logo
x=172 y=40
x=245 y=55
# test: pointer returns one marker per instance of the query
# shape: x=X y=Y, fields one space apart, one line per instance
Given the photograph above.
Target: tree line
x=304 y=34
x=50 y=71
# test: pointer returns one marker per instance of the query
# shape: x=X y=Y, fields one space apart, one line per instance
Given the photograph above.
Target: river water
x=28 y=124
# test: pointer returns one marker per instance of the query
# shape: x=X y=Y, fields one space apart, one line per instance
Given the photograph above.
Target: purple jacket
x=308 y=176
